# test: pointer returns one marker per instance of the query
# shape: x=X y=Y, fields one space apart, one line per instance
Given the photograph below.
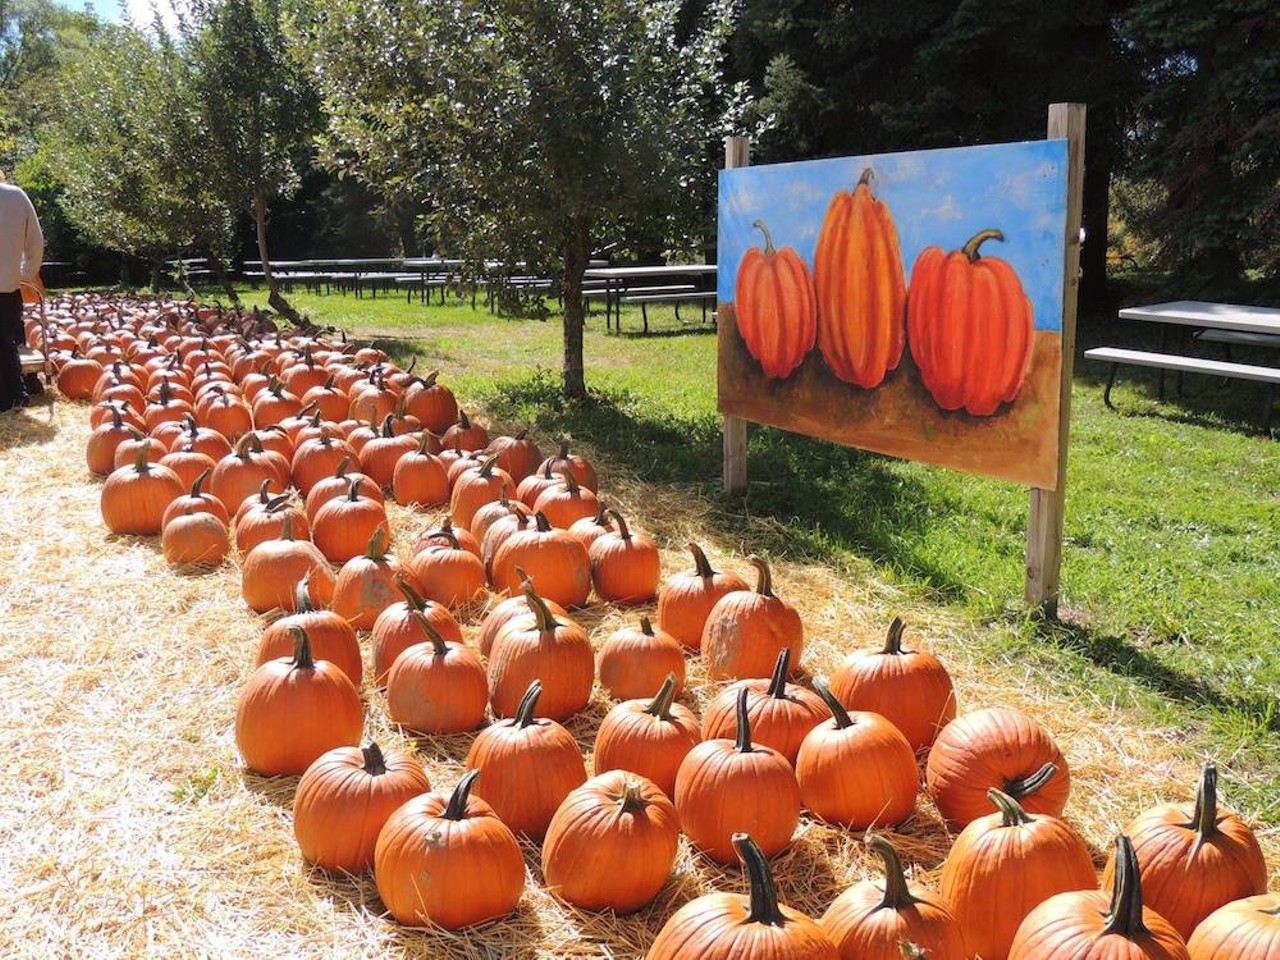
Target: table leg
x=1111 y=380
x=1271 y=401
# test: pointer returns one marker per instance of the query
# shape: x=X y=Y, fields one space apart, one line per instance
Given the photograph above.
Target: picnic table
x=628 y=284
x=1191 y=321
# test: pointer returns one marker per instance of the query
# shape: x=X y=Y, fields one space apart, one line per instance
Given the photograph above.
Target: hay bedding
x=128 y=828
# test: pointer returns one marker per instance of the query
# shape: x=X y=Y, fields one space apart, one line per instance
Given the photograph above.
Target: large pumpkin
x=746 y=630
x=686 y=599
x=1242 y=930
x=861 y=287
x=774 y=307
x=971 y=327
x=437 y=686
x=650 y=738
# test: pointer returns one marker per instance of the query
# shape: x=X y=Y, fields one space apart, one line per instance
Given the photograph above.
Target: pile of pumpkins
x=282 y=450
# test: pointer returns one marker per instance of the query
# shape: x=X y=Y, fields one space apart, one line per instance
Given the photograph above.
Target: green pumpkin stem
x=623 y=530
x=660 y=705
x=970 y=249
x=897 y=895
x=893 y=641
x=1011 y=812
x=438 y=643
x=1204 y=819
x=743 y=743
x=547 y=621
x=701 y=565
x=1125 y=916
x=838 y=711
x=302 y=656
x=764 y=891
x=1025 y=786
x=764 y=582
x=528 y=703
x=378 y=543
x=768 y=238
x=375 y=764
x=412 y=598
x=457 y=808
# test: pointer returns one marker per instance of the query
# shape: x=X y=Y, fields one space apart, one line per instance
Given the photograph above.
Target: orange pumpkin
x=195 y=538
x=648 y=737
x=686 y=599
x=437 y=687
x=134 y=498
x=555 y=559
x=397 y=629
x=272 y=569
x=1241 y=930
x=746 y=630
x=774 y=307
x=331 y=637
x=782 y=714
x=861 y=287
x=634 y=661
x=343 y=527
x=366 y=585
x=971 y=327
x=625 y=566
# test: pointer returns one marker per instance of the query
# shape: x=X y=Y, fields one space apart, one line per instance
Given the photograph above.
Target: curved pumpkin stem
x=286 y=528
x=486 y=466
x=571 y=484
x=375 y=764
x=838 y=712
x=1125 y=916
x=353 y=489
x=970 y=249
x=541 y=523
x=199 y=483
x=302 y=595
x=700 y=563
x=528 y=703
x=646 y=627
x=424 y=444
x=660 y=705
x=1025 y=786
x=457 y=808
x=893 y=641
x=302 y=656
x=623 y=531
x=463 y=420
x=768 y=238
x=897 y=895
x=743 y=743
x=142 y=459
x=764 y=891
x=1204 y=819
x=277 y=503
x=378 y=543
x=781 y=668
x=438 y=643
x=547 y=621
x=1011 y=812
x=764 y=582
x=630 y=800
x=388 y=425
x=412 y=598
x=867 y=176
x=343 y=466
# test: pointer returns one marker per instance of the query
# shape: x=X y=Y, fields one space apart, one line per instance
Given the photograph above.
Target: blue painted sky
x=937 y=198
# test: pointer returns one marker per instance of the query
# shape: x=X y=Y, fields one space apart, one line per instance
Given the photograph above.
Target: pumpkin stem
x=1011 y=812
x=768 y=239
x=911 y=950
x=286 y=527
x=302 y=656
x=764 y=891
x=117 y=422
x=781 y=667
x=486 y=467
x=660 y=706
x=457 y=808
x=375 y=764
x=623 y=531
x=463 y=420
x=867 y=176
x=343 y=466
x=277 y=503
x=547 y=621
x=302 y=592
x=377 y=549
x=412 y=598
x=142 y=460
x=838 y=711
x=897 y=895
x=1204 y=819
x=970 y=249
x=645 y=626
x=1025 y=786
x=570 y=481
x=446 y=534
x=564 y=451
x=522 y=434
x=542 y=523
x=433 y=635
x=743 y=743
x=700 y=563
x=353 y=489
x=528 y=703
x=430 y=379
x=387 y=429
x=1125 y=916
x=893 y=642
x=424 y=443
x=630 y=800
x=199 y=483
x=764 y=583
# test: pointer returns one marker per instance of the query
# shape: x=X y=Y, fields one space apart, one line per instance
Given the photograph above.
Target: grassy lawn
x=1171 y=581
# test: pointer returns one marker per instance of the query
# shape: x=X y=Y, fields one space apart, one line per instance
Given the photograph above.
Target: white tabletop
x=670 y=270
x=1218 y=316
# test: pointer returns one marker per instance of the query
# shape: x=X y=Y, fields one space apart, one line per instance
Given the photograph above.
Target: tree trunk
x=575 y=264
x=156 y=263
x=277 y=301
x=224 y=278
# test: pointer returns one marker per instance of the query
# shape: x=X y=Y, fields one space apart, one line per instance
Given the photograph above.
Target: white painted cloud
x=948 y=209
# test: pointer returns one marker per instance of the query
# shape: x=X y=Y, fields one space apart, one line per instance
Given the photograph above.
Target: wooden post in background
x=737 y=153
x=1044 y=526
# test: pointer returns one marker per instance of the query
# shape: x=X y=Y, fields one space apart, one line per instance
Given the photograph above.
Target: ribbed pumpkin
x=554 y=650
x=470 y=435
x=1013 y=859
x=344 y=799
x=528 y=766
x=861 y=287
x=634 y=661
x=551 y=556
x=366 y=585
x=1246 y=929
x=343 y=527
x=332 y=638
x=257 y=522
x=397 y=629
x=518 y=455
x=729 y=926
x=996 y=747
x=491 y=513
x=293 y=710
x=566 y=502
x=437 y=686
x=725 y=787
x=448 y=573
x=100 y=451
x=187 y=464
x=746 y=630
x=447 y=535
x=272 y=569
x=431 y=402
x=686 y=599
x=379 y=457
x=782 y=714
x=127 y=451
x=1099 y=925
x=240 y=475
x=1194 y=861
x=339 y=485
x=544 y=478
x=870 y=920
x=501 y=614
x=197 y=501
x=134 y=498
x=588 y=530
x=195 y=539
x=575 y=463
x=611 y=844
x=648 y=737
x=477 y=487
x=316 y=459
x=971 y=327
x=856 y=770
x=448 y=861
x=910 y=688
x=419 y=478
x=625 y=566
x=774 y=306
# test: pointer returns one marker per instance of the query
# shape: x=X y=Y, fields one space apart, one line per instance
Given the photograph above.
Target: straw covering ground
x=129 y=827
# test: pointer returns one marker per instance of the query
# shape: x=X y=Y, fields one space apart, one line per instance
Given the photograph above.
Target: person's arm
x=33 y=246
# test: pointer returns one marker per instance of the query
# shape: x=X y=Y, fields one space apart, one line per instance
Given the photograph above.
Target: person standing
x=21 y=251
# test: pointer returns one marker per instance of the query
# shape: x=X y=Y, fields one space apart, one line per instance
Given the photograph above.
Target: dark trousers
x=12 y=390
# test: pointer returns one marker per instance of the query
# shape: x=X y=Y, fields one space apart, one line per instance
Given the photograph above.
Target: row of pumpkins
x=1018 y=881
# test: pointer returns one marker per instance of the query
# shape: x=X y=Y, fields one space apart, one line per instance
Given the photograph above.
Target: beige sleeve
x=33 y=245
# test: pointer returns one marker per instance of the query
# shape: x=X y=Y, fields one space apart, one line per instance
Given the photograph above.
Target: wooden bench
x=1179 y=364
x=644 y=299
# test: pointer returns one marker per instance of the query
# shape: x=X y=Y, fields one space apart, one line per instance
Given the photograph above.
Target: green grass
x=1171 y=574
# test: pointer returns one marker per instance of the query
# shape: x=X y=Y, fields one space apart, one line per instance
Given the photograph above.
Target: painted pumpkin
x=861 y=287
x=775 y=307
x=971 y=327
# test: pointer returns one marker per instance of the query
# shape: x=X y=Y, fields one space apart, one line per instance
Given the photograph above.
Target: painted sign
x=906 y=303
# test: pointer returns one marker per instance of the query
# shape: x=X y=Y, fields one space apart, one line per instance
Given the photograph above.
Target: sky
x=140 y=11
x=936 y=197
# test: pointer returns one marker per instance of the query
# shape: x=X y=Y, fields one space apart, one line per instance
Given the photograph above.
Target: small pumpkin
x=271 y=570
x=195 y=539
x=447 y=572
x=437 y=686
x=648 y=737
x=468 y=434
x=419 y=478
x=506 y=611
x=397 y=629
x=332 y=638
x=634 y=661
x=774 y=307
x=134 y=498
x=566 y=502
x=518 y=455
x=431 y=402
x=475 y=488
x=344 y=525
x=782 y=714
x=575 y=463
x=339 y=485
x=198 y=501
x=686 y=599
x=625 y=566
x=366 y=585
x=746 y=630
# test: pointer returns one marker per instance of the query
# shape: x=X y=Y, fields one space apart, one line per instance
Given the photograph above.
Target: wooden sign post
x=1044 y=525
x=737 y=153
